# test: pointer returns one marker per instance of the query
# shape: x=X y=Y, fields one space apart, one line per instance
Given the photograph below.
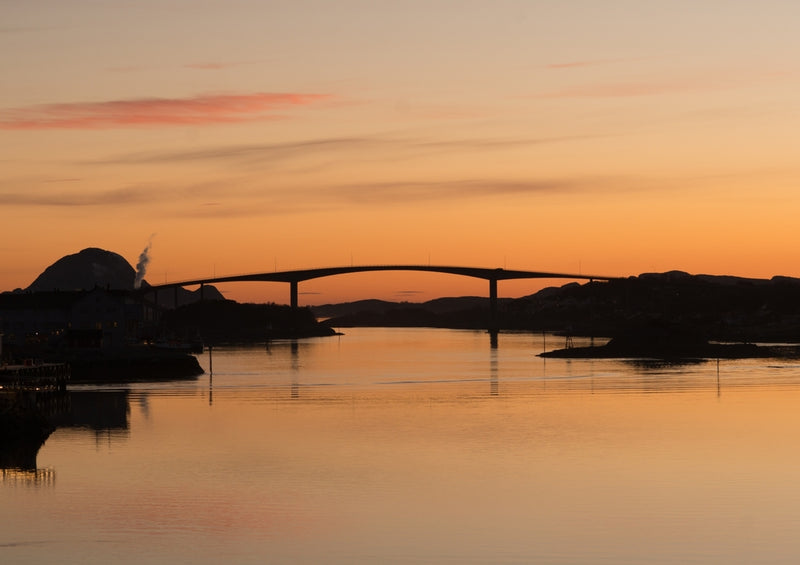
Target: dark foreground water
x=418 y=446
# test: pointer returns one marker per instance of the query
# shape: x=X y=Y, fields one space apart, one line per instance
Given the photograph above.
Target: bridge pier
x=293 y=294
x=493 y=322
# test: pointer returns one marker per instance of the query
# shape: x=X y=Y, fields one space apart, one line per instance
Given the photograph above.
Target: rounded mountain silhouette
x=86 y=270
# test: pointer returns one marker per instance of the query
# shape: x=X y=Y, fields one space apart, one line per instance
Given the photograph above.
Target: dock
x=35 y=375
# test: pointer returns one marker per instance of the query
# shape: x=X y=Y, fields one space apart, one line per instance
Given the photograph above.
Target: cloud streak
x=416 y=191
x=154 y=112
x=700 y=83
x=380 y=195
x=585 y=63
x=397 y=147
x=78 y=198
x=22 y=29
x=211 y=66
x=224 y=198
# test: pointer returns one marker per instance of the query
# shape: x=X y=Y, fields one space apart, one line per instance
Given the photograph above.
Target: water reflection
x=25 y=423
x=27 y=477
x=402 y=446
x=98 y=411
x=648 y=365
x=395 y=360
x=29 y=418
x=494 y=383
x=297 y=369
x=493 y=339
x=293 y=364
x=294 y=347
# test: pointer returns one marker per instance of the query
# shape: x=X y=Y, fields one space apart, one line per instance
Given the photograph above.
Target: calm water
x=419 y=446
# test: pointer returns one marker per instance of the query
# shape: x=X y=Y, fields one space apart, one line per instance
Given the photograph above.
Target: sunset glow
x=610 y=138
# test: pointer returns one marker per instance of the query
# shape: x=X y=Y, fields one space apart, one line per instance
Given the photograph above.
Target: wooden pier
x=34 y=375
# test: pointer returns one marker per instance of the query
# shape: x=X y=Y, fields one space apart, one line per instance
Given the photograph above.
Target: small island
x=658 y=339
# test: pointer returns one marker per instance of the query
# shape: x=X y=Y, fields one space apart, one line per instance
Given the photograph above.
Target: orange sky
x=611 y=138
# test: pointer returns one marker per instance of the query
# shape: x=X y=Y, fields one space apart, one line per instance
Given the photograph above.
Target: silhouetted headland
x=230 y=322
x=83 y=310
x=131 y=364
x=657 y=339
x=88 y=310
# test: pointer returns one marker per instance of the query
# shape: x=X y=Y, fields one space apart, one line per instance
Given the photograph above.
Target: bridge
x=294 y=278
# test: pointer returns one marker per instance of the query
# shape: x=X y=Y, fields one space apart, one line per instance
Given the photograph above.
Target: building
x=99 y=319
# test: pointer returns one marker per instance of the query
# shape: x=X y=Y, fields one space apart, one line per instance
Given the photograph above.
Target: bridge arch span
x=294 y=278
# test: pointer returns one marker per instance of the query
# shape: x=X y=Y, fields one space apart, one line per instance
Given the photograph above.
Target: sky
x=609 y=137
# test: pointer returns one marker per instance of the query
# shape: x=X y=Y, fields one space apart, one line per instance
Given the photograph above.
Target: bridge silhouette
x=294 y=278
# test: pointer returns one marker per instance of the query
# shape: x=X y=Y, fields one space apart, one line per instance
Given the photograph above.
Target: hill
x=94 y=267
x=85 y=270
x=452 y=312
x=717 y=307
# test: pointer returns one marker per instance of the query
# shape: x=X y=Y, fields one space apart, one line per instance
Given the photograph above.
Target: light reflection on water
x=423 y=446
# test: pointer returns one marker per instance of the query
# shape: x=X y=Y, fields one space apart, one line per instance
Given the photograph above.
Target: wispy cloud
x=211 y=66
x=127 y=69
x=705 y=82
x=415 y=191
x=624 y=89
x=196 y=66
x=65 y=198
x=429 y=111
x=572 y=65
x=396 y=147
x=267 y=151
x=252 y=202
x=197 y=110
x=585 y=63
x=10 y=30
x=231 y=197
x=60 y=180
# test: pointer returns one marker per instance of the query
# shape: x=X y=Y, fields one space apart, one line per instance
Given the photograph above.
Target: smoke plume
x=141 y=266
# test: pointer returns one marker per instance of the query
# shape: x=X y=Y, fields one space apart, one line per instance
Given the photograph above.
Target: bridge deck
x=308 y=274
x=295 y=277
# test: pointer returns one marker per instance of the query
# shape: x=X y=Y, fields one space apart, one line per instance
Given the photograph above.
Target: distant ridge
x=375 y=306
x=718 y=307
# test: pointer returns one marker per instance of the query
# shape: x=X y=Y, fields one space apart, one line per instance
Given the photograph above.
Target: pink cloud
x=198 y=110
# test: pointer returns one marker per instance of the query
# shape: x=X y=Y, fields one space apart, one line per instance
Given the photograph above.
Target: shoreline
x=710 y=351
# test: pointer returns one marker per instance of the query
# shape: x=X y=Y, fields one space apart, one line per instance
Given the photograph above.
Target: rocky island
x=656 y=339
